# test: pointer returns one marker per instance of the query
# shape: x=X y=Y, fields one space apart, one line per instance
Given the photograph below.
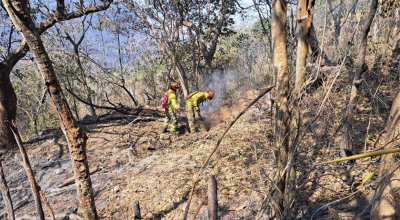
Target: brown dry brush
x=196 y=177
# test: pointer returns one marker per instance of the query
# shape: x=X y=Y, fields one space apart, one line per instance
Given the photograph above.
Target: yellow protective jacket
x=196 y=99
x=173 y=105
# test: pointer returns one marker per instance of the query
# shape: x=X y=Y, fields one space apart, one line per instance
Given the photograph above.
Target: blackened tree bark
x=76 y=136
x=8 y=99
x=361 y=67
x=282 y=116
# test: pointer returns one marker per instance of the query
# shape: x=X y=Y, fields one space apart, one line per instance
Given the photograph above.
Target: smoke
x=215 y=111
x=221 y=84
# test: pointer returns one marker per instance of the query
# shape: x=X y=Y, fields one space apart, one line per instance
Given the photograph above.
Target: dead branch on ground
x=122 y=109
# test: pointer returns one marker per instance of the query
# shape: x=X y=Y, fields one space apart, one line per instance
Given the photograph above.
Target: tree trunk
x=75 y=135
x=181 y=75
x=386 y=205
x=281 y=105
x=361 y=67
x=8 y=109
x=305 y=11
x=337 y=19
x=8 y=99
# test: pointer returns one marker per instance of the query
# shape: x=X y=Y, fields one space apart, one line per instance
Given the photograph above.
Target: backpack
x=164 y=101
x=191 y=94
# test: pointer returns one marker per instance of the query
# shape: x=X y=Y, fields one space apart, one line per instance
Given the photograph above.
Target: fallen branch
x=123 y=109
x=145 y=119
x=196 y=177
x=359 y=156
x=71 y=180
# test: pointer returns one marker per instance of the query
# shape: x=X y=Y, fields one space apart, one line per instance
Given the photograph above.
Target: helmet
x=174 y=86
x=210 y=94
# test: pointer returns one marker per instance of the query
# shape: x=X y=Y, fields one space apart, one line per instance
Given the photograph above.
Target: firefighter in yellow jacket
x=170 y=111
x=192 y=103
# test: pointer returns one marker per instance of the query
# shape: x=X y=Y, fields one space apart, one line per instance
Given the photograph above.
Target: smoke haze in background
x=214 y=111
x=220 y=84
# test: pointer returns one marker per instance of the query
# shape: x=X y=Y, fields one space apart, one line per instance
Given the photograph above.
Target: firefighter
x=192 y=103
x=171 y=108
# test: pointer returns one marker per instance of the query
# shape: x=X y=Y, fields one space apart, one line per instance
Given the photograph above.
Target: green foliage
x=33 y=116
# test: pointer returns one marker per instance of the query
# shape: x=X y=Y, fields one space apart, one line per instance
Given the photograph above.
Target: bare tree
x=207 y=26
x=76 y=136
x=161 y=18
x=8 y=99
x=361 y=67
x=82 y=79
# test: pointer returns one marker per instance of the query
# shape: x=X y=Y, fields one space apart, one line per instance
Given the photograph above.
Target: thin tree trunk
x=305 y=12
x=8 y=100
x=182 y=76
x=386 y=205
x=5 y=192
x=31 y=176
x=80 y=66
x=76 y=136
x=361 y=67
x=84 y=83
x=337 y=19
x=282 y=116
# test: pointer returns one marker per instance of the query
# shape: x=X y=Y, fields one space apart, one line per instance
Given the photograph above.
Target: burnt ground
x=137 y=162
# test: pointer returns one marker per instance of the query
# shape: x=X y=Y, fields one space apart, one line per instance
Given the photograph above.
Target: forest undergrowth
x=134 y=161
